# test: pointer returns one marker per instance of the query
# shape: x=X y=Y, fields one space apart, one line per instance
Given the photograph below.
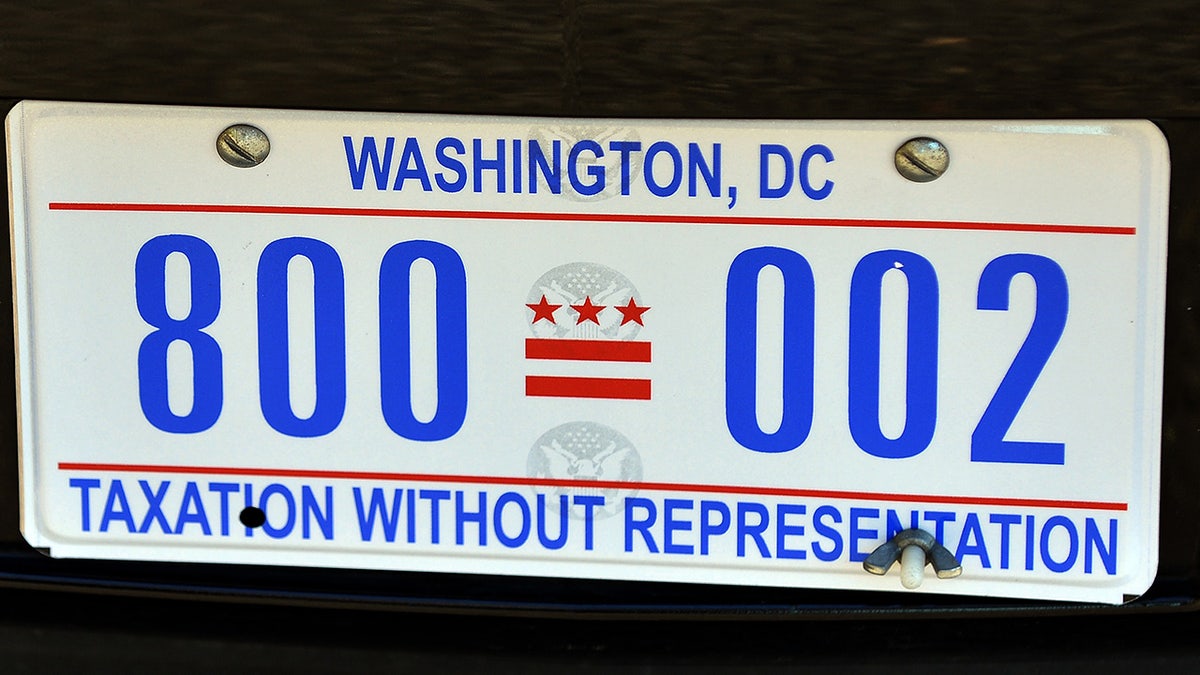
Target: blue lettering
x=1029 y=542
x=511 y=541
x=765 y=153
x=1005 y=521
x=116 y=507
x=939 y=520
x=85 y=485
x=1049 y=320
x=741 y=356
x=310 y=511
x=248 y=495
x=410 y=513
x=551 y=173
x=624 y=149
x=451 y=164
x=516 y=166
x=641 y=525
x=708 y=528
x=192 y=510
x=395 y=340
x=547 y=542
x=1072 y=550
x=828 y=532
x=972 y=530
x=921 y=364
x=783 y=531
x=204 y=304
x=894 y=526
x=753 y=531
x=1092 y=543
x=388 y=517
x=596 y=171
x=857 y=533
x=369 y=154
x=711 y=173
x=810 y=191
x=671 y=186
x=671 y=525
x=289 y=503
x=463 y=516
x=435 y=499
x=224 y=490
x=481 y=164
x=154 y=513
x=329 y=337
x=589 y=504
x=412 y=155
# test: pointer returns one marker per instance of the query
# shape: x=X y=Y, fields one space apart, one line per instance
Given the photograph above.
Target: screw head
x=922 y=159
x=243 y=146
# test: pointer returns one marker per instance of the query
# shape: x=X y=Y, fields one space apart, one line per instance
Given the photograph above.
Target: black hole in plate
x=252 y=516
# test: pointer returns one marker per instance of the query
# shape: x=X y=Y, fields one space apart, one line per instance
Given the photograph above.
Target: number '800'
x=330 y=337
x=988 y=443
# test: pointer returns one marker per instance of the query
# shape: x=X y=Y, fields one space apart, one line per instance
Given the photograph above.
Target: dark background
x=721 y=59
x=88 y=633
x=670 y=58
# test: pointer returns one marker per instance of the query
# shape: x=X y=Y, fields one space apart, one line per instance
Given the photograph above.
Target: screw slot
x=922 y=159
x=243 y=146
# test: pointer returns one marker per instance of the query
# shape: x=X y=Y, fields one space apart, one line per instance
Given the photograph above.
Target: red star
x=543 y=310
x=631 y=312
x=588 y=311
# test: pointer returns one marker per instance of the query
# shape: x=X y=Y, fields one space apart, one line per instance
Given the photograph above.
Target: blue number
x=1049 y=319
x=395 y=342
x=150 y=280
x=741 y=353
x=922 y=361
x=330 y=339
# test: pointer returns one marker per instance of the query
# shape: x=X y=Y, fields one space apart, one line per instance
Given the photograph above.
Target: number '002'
x=987 y=442
x=330 y=337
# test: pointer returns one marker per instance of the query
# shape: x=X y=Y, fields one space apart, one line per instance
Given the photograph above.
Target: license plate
x=726 y=352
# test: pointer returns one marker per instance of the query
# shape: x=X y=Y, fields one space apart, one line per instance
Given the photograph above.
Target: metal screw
x=922 y=159
x=243 y=146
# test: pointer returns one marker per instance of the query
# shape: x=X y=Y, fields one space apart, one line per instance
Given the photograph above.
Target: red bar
x=563 y=349
x=587 y=387
x=804 y=493
x=590 y=217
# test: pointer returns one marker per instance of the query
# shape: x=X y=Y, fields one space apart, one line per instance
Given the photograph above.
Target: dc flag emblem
x=591 y=313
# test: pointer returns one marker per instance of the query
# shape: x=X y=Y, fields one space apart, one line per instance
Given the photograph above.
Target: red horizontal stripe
x=587 y=350
x=587 y=387
x=601 y=484
x=590 y=217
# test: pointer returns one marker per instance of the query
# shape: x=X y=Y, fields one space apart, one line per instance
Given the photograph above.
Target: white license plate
x=693 y=351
